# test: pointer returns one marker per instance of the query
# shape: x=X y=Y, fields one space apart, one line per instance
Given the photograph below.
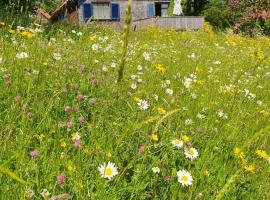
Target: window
x=162 y=9
x=101 y=11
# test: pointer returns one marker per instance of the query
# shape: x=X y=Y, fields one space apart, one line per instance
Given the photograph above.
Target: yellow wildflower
x=200 y=82
x=249 y=168
x=70 y=168
x=262 y=154
x=154 y=137
x=198 y=69
x=260 y=55
x=137 y=99
x=79 y=185
x=11 y=31
x=93 y=37
x=161 y=110
x=238 y=153
x=243 y=160
x=264 y=112
x=206 y=173
x=2 y=23
x=27 y=34
x=109 y=154
x=160 y=68
x=185 y=138
x=63 y=144
x=45 y=63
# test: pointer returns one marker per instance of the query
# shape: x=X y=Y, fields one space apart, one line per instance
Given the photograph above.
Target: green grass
x=115 y=124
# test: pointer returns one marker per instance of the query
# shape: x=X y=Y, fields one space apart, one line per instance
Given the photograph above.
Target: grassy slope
x=113 y=123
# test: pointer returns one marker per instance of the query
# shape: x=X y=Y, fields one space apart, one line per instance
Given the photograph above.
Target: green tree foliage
x=217 y=13
x=16 y=6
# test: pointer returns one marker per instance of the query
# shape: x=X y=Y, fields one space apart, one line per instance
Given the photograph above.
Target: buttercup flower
x=185 y=138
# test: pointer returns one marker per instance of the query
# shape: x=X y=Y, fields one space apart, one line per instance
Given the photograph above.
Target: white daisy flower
x=155 y=97
x=216 y=62
x=38 y=30
x=188 y=122
x=20 y=28
x=79 y=33
x=108 y=171
x=191 y=153
x=139 y=68
x=57 y=56
x=191 y=56
x=169 y=91
x=53 y=39
x=146 y=56
x=193 y=96
x=113 y=65
x=143 y=105
x=94 y=47
x=139 y=80
x=184 y=177
x=104 y=68
x=221 y=114
x=71 y=41
x=177 y=143
x=133 y=86
x=200 y=116
x=22 y=55
x=156 y=170
x=44 y=193
x=187 y=82
x=133 y=77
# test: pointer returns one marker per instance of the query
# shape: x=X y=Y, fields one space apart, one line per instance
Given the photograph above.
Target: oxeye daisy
x=184 y=178
x=191 y=153
x=108 y=170
x=177 y=143
x=143 y=105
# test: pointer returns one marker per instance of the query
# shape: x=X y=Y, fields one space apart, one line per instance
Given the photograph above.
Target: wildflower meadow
x=188 y=119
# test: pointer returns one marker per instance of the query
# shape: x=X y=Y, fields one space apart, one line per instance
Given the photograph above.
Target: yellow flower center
x=191 y=152
x=184 y=178
x=108 y=171
x=177 y=142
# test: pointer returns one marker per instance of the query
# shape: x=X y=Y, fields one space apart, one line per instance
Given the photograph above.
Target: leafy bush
x=251 y=17
x=217 y=13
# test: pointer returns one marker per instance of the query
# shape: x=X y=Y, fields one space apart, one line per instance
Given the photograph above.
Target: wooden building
x=112 y=12
x=115 y=10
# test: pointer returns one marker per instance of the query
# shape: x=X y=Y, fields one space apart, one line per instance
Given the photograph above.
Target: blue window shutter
x=87 y=11
x=115 y=11
x=150 y=10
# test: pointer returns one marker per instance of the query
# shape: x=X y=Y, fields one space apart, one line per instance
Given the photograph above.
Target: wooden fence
x=178 y=23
